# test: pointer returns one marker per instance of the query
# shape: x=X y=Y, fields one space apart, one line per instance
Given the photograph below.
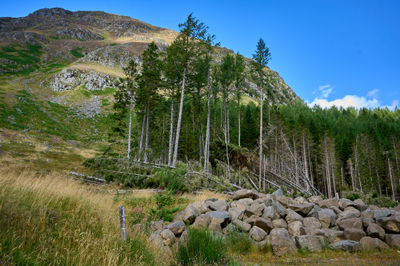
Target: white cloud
x=373 y=93
x=369 y=101
x=347 y=101
x=325 y=90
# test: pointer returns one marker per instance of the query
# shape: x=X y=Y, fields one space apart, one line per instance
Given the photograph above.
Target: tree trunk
x=357 y=166
x=178 y=126
x=352 y=175
x=261 y=138
x=130 y=130
x=334 y=178
x=327 y=169
x=342 y=175
x=378 y=178
x=239 y=120
x=228 y=121
x=146 y=143
x=207 y=142
x=296 y=170
x=142 y=137
x=226 y=139
x=396 y=158
x=391 y=180
x=171 y=133
x=309 y=163
x=264 y=160
x=305 y=161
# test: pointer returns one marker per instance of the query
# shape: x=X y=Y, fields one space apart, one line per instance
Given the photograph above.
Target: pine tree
x=149 y=82
x=172 y=72
x=239 y=82
x=261 y=57
x=191 y=42
x=125 y=97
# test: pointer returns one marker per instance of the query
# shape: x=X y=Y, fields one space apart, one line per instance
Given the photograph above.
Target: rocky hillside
x=66 y=56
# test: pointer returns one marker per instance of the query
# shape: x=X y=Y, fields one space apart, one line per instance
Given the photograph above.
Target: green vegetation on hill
x=17 y=59
x=77 y=52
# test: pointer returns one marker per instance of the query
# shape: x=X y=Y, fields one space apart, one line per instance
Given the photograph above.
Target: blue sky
x=329 y=51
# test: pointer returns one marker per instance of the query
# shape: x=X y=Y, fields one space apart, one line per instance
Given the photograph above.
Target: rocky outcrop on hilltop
x=288 y=224
x=110 y=56
x=82 y=25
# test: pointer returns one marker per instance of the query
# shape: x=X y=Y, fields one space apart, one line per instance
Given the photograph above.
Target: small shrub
x=238 y=242
x=353 y=196
x=171 y=179
x=164 y=199
x=77 y=52
x=202 y=248
x=163 y=211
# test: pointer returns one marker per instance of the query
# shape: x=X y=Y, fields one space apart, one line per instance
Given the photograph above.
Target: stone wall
x=289 y=224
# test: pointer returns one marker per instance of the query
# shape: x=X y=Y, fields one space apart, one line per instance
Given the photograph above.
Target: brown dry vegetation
x=48 y=219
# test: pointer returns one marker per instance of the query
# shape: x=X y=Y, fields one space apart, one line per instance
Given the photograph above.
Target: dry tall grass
x=48 y=219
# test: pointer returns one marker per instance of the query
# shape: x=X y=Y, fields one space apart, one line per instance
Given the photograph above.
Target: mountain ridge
x=89 y=49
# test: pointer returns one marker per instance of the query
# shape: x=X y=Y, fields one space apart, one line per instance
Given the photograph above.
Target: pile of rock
x=288 y=224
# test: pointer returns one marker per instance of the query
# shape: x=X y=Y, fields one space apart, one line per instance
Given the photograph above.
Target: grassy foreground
x=50 y=220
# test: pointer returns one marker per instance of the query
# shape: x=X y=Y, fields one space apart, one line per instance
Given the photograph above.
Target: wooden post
x=122 y=222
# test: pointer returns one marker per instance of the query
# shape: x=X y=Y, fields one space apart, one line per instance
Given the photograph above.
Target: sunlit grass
x=48 y=219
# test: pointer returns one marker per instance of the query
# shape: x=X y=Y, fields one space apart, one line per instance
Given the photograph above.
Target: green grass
x=88 y=93
x=29 y=113
x=238 y=242
x=53 y=67
x=161 y=206
x=23 y=60
x=34 y=115
x=202 y=248
x=77 y=52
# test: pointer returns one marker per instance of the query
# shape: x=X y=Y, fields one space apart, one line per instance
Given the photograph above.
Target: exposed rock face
x=257 y=233
x=303 y=209
x=369 y=243
x=176 y=227
x=346 y=245
x=350 y=223
x=69 y=79
x=390 y=224
x=202 y=221
x=219 y=217
x=219 y=205
x=281 y=242
x=375 y=231
x=393 y=240
x=353 y=234
x=311 y=243
x=296 y=228
x=244 y=193
x=293 y=216
x=191 y=213
x=327 y=217
x=260 y=222
x=279 y=223
x=345 y=225
x=312 y=222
